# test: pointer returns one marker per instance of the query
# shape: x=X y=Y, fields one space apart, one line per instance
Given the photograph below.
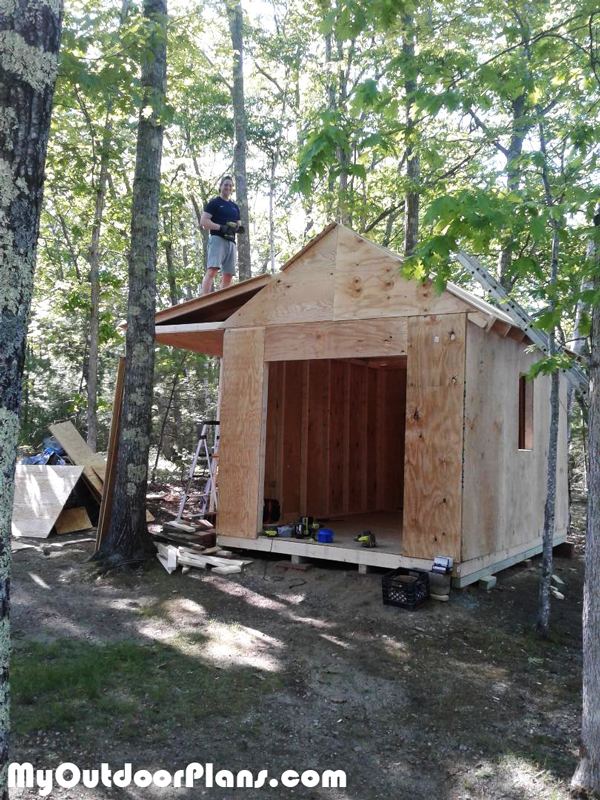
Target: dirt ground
x=277 y=669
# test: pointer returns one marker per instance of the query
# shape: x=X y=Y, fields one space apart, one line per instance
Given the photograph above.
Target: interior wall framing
x=334 y=437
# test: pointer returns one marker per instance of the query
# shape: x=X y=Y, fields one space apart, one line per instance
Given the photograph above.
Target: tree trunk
x=587 y=774
x=235 y=16
x=127 y=538
x=514 y=171
x=94 y=262
x=173 y=293
x=93 y=256
x=29 y=42
x=413 y=161
x=543 y=619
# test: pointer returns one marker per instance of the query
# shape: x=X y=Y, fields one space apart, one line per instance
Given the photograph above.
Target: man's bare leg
x=226 y=279
x=209 y=278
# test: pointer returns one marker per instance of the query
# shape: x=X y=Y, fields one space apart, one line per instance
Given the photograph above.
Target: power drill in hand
x=230 y=229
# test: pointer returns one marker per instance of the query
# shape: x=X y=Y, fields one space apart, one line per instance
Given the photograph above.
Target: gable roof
x=223 y=304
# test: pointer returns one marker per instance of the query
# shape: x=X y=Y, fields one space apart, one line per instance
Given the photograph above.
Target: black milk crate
x=405 y=588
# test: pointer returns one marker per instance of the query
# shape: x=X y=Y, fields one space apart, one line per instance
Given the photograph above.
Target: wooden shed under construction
x=359 y=398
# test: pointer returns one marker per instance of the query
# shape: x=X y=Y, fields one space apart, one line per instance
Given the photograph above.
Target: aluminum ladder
x=575 y=375
x=207 y=455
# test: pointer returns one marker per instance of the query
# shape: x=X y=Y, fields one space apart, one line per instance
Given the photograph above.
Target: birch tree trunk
x=587 y=774
x=127 y=538
x=29 y=42
x=94 y=262
x=514 y=172
x=413 y=162
x=543 y=619
x=235 y=16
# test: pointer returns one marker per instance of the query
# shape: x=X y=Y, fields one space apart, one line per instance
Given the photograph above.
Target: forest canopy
x=494 y=105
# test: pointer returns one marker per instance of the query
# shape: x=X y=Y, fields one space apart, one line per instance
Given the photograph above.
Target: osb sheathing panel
x=344 y=339
x=243 y=418
x=434 y=436
x=303 y=293
x=368 y=284
x=504 y=487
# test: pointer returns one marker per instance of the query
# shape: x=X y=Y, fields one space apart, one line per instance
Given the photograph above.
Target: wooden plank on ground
x=40 y=495
x=343 y=339
x=71 y=520
x=434 y=436
x=243 y=431
x=80 y=453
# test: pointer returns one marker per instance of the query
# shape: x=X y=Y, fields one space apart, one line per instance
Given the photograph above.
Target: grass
x=82 y=686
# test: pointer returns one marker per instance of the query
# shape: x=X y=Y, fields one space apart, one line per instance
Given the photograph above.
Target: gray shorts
x=221 y=255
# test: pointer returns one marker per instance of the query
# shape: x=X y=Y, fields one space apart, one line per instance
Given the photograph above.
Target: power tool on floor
x=367 y=539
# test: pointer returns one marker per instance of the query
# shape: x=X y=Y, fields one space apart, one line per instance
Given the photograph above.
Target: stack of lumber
x=213 y=558
x=179 y=544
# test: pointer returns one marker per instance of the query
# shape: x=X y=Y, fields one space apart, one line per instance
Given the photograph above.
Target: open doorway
x=334 y=447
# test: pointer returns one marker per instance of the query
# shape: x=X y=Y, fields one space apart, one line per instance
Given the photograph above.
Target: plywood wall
x=335 y=437
x=368 y=284
x=434 y=436
x=243 y=416
x=504 y=487
x=304 y=293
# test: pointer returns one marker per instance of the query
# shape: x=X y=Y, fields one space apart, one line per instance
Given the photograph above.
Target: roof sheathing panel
x=214 y=307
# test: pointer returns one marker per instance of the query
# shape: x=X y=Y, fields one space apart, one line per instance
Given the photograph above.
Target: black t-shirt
x=222 y=212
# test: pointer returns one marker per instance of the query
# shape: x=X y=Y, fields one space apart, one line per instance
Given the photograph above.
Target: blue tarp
x=51 y=454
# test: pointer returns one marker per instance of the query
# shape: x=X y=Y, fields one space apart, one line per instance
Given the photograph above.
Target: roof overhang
x=214 y=307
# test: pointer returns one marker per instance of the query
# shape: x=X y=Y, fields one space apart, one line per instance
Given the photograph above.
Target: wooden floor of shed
x=386 y=525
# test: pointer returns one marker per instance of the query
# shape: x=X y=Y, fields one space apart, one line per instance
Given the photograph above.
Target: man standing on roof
x=221 y=216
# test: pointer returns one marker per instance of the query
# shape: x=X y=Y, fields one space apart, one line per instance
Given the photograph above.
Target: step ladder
x=575 y=375
x=206 y=455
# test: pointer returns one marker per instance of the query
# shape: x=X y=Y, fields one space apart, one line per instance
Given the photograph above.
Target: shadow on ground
x=280 y=670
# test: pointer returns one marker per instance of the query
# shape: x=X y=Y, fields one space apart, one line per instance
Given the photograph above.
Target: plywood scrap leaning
x=40 y=495
x=72 y=520
x=111 y=466
x=81 y=454
x=107 y=470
